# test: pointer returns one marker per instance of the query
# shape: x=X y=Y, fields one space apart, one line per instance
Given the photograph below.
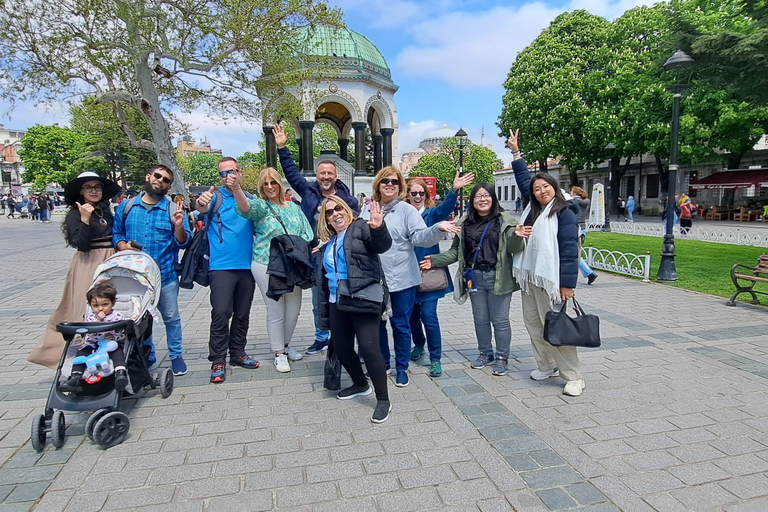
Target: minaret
x=482 y=136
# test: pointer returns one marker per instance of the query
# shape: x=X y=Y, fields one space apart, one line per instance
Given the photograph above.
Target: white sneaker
x=292 y=353
x=574 y=387
x=540 y=375
x=281 y=363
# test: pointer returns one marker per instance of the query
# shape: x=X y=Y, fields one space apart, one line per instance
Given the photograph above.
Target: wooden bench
x=743 y=216
x=759 y=274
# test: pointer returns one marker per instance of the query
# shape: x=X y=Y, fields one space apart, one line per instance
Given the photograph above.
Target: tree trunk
x=150 y=108
x=734 y=160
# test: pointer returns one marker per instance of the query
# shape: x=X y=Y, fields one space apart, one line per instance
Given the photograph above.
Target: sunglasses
x=417 y=194
x=224 y=174
x=388 y=181
x=337 y=208
x=272 y=183
x=162 y=178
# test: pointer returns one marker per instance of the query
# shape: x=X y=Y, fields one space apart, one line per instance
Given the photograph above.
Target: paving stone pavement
x=674 y=416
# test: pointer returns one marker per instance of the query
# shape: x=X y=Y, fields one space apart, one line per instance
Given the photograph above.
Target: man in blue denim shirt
x=161 y=228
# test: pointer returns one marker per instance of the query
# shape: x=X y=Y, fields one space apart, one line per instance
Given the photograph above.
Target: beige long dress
x=94 y=244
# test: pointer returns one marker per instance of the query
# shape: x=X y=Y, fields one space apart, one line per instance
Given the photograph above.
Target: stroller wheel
x=166 y=383
x=111 y=429
x=92 y=419
x=38 y=432
x=58 y=426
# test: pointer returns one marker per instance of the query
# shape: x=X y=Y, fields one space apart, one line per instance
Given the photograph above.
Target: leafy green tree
x=49 y=154
x=156 y=56
x=552 y=91
x=200 y=169
x=101 y=127
x=445 y=162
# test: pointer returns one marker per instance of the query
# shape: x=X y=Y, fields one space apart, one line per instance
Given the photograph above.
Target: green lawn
x=701 y=266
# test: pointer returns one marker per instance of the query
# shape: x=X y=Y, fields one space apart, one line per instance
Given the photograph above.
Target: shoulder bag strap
x=480 y=243
x=269 y=205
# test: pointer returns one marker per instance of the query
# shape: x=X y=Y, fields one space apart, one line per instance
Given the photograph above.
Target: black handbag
x=332 y=373
x=561 y=330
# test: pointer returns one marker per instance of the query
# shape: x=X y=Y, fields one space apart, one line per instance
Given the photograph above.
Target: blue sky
x=449 y=57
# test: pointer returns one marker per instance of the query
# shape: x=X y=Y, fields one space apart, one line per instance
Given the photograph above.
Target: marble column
x=344 y=149
x=308 y=160
x=359 y=148
x=387 y=134
x=378 y=141
x=271 y=149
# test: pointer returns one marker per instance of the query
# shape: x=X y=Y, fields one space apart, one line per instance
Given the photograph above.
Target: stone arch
x=344 y=99
x=382 y=109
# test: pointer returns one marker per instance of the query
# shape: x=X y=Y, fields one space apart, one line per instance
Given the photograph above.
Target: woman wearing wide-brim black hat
x=88 y=228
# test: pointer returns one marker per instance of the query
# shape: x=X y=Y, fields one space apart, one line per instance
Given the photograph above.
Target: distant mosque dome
x=436 y=137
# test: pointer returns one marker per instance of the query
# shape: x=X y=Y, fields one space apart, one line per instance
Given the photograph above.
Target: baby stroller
x=24 y=213
x=136 y=278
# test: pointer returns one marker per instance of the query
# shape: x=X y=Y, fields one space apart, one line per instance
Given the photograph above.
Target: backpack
x=130 y=203
x=195 y=264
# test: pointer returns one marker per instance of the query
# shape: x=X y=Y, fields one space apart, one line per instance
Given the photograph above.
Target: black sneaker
x=121 y=380
x=316 y=348
x=591 y=278
x=381 y=412
x=353 y=391
x=245 y=361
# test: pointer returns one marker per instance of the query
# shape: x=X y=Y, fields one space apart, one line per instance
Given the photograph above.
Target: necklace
x=100 y=215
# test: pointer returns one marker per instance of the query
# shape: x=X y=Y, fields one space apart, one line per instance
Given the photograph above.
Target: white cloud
x=409 y=135
x=476 y=49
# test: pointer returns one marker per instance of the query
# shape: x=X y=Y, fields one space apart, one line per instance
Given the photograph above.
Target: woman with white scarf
x=547 y=269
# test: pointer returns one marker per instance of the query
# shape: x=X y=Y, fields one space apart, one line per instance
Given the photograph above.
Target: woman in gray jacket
x=401 y=268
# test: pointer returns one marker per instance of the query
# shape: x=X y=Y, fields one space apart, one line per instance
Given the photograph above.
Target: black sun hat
x=72 y=189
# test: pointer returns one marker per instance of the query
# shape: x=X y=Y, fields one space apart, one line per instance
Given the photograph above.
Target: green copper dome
x=346 y=48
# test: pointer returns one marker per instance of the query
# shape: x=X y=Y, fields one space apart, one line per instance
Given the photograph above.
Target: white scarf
x=539 y=263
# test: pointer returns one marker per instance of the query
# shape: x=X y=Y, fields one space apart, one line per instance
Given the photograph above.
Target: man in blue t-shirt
x=232 y=285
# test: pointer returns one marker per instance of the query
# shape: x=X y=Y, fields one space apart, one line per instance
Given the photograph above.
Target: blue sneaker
x=179 y=366
x=402 y=379
x=316 y=348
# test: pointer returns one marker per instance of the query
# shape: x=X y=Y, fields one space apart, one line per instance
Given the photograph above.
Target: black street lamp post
x=678 y=62
x=462 y=136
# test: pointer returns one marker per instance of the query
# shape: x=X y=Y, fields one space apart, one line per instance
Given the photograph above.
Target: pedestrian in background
x=581 y=199
x=631 y=209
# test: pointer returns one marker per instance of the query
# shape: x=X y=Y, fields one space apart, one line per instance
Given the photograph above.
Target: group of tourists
x=37 y=207
x=374 y=264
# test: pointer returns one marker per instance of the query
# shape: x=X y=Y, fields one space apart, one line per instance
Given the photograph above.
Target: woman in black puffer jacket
x=351 y=294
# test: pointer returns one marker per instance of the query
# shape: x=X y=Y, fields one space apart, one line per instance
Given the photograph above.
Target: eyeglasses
x=92 y=188
x=337 y=208
x=272 y=183
x=417 y=194
x=483 y=196
x=224 y=174
x=162 y=178
x=388 y=181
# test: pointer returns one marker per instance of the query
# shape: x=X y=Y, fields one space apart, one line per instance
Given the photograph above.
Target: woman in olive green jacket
x=486 y=244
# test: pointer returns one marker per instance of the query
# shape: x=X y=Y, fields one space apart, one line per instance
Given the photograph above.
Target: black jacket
x=362 y=245
x=290 y=265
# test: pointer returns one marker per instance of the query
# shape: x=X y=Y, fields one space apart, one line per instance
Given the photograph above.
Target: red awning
x=733 y=179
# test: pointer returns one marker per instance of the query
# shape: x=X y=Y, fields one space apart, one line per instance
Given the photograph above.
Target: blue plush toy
x=97 y=364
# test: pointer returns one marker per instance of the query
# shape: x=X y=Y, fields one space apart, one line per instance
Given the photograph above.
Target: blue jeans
x=585 y=270
x=169 y=310
x=630 y=215
x=402 y=306
x=320 y=335
x=426 y=313
x=491 y=309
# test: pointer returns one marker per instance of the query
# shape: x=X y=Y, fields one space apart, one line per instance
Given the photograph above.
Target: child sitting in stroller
x=101 y=299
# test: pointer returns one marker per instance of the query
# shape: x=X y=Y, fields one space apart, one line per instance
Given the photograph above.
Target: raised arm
x=445 y=258
x=519 y=166
x=292 y=174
